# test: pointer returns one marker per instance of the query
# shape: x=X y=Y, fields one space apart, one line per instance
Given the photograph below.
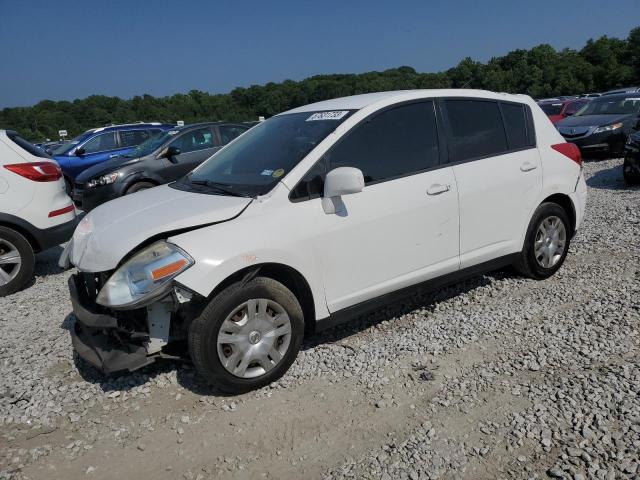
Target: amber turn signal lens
x=167 y=270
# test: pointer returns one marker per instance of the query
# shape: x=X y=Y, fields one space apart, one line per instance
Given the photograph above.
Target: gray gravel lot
x=499 y=377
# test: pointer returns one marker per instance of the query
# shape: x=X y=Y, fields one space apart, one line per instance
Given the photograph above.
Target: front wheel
x=247 y=336
x=546 y=243
x=17 y=261
x=139 y=186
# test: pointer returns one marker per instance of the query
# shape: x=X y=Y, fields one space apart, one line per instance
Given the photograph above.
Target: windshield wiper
x=219 y=187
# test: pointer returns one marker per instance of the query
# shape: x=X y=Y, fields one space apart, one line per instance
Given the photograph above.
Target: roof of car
x=357 y=102
x=108 y=128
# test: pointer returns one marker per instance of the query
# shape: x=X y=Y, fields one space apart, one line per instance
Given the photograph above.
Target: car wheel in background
x=17 y=261
x=631 y=177
x=136 y=187
x=248 y=335
x=546 y=243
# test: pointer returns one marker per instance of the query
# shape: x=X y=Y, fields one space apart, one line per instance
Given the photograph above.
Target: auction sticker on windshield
x=334 y=115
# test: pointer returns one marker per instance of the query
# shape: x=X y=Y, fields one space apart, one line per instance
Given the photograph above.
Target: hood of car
x=111 y=231
x=102 y=168
x=592 y=120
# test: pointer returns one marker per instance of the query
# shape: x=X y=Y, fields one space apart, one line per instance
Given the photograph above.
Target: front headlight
x=608 y=128
x=144 y=277
x=103 y=180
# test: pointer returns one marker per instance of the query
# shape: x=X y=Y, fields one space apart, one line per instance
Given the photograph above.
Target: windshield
x=257 y=160
x=65 y=147
x=611 y=106
x=151 y=144
x=551 y=108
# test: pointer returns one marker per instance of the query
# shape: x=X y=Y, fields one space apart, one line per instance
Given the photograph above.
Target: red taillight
x=61 y=211
x=37 y=171
x=569 y=150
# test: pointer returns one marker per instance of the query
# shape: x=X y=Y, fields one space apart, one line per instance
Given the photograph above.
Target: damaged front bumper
x=110 y=342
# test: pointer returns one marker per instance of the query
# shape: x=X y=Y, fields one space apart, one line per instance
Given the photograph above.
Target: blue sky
x=66 y=49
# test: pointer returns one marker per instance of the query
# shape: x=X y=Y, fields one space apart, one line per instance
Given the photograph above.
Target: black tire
x=203 y=333
x=631 y=178
x=136 y=187
x=27 y=261
x=527 y=264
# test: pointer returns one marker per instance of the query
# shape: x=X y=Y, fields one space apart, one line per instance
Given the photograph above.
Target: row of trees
x=542 y=71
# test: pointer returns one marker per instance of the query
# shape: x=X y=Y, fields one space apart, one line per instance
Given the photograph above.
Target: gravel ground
x=499 y=377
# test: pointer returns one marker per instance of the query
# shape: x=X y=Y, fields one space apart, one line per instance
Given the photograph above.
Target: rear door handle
x=113 y=155
x=437 y=189
x=527 y=167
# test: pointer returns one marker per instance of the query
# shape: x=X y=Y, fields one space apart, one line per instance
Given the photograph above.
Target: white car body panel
x=111 y=231
x=25 y=199
x=389 y=236
x=496 y=196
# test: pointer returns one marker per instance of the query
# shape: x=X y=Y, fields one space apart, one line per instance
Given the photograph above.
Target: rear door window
x=194 y=140
x=515 y=122
x=132 y=138
x=229 y=132
x=397 y=142
x=475 y=129
x=101 y=143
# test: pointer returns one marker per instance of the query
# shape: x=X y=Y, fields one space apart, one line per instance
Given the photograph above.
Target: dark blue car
x=100 y=144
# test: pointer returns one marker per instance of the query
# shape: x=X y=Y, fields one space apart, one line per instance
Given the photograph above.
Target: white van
x=35 y=211
x=317 y=215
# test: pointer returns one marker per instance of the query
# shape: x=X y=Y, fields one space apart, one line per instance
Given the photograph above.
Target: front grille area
x=574 y=132
x=90 y=284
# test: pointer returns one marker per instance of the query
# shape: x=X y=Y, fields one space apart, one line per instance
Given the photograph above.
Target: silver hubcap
x=254 y=338
x=10 y=261
x=551 y=240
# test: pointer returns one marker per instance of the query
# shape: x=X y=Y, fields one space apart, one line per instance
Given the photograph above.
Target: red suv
x=556 y=110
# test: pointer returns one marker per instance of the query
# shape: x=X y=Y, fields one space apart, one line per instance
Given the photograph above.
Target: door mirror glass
x=338 y=182
x=80 y=152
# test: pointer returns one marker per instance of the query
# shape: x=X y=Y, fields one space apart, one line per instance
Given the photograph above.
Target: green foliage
x=602 y=64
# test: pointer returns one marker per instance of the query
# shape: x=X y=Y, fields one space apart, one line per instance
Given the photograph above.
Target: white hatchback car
x=315 y=216
x=35 y=211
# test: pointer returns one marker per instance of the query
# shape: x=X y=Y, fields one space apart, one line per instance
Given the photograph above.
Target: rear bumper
x=98 y=340
x=50 y=237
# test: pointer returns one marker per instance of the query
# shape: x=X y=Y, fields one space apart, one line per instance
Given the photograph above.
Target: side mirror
x=338 y=182
x=173 y=152
x=80 y=152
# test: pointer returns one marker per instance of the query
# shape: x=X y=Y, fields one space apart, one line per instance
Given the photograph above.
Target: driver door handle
x=437 y=189
x=527 y=166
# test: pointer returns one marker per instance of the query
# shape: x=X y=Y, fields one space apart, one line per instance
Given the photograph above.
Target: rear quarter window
x=26 y=145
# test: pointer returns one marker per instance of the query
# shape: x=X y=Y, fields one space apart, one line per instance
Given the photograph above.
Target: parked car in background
x=100 y=144
x=35 y=211
x=316 y=216
x=631 y=165
x=161 y=159
x=590 y=95
x=622 y=90
x=602 y=126
x=556 y=111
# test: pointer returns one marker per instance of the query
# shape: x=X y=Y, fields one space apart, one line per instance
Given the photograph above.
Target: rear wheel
x=136 y=187
x=17 y=261
x=546 y=243
x=248 y=335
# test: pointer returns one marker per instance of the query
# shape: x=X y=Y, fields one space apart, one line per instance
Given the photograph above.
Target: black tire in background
x=136 y=187
x=630 y=177
x=20 y=275
x=203 y=333
x=528 y=265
